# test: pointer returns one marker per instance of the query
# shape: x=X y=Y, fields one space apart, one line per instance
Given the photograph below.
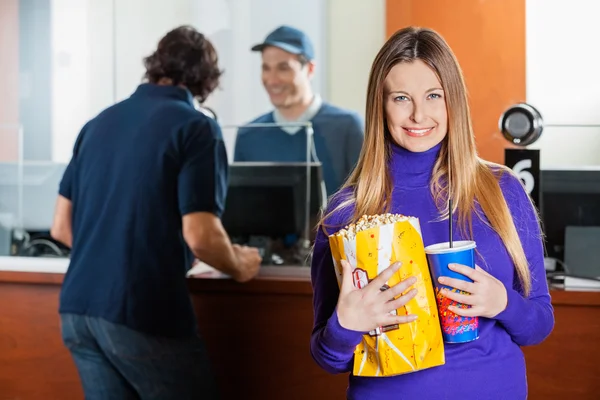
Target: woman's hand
x=370 y=307
x=487 y=296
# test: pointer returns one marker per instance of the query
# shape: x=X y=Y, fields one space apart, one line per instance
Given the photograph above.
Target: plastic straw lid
x=441 y=248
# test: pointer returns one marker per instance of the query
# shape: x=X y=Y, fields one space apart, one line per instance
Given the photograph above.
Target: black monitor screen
x=569 y=198
x=269 y=199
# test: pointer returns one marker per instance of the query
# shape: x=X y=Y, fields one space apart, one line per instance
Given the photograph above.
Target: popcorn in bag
x=371 y=245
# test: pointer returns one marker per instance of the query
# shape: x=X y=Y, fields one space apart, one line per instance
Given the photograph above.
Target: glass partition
x=11 y=177
x=276 y=189
x=70 y=59
x=28 y=190
x=93 y=55
x=275 y=195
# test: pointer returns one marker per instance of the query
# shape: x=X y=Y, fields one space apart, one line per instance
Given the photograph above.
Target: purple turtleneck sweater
x=492 y=367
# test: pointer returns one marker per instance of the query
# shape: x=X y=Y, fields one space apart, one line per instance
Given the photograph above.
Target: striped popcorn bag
x=370 y=246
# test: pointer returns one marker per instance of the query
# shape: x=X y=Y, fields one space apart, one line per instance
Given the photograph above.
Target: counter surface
x=258 y=335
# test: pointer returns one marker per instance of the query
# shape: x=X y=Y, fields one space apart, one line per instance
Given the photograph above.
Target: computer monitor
x=269 y=199
x=569 y=198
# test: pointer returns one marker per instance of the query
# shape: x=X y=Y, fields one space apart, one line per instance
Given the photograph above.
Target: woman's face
x=415 y=106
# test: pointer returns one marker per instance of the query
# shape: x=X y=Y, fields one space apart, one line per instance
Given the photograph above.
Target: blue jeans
x=116 y=362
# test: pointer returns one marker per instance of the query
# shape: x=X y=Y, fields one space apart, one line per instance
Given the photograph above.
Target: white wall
x=82 y=68
x=563 y=80
x=70 y=71
x=139 y=26
x=356 y=30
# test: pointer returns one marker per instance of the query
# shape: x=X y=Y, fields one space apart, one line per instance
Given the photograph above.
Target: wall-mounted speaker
x=521 y=124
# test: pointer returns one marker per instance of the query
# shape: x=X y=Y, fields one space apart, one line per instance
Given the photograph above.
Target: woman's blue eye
x=401 y=98
x=435 y=96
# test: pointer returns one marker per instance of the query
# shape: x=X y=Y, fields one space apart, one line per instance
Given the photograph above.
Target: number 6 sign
x=521 y=169
x=526 y=165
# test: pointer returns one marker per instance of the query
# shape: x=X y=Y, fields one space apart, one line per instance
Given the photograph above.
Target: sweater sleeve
x=528 y=320
x=331 y=345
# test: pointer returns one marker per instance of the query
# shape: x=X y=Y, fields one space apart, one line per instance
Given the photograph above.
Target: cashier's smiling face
x=415 y=106
x=285 y=78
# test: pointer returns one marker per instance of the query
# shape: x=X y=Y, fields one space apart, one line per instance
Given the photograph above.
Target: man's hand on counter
x=249 y=261
x=207 y=239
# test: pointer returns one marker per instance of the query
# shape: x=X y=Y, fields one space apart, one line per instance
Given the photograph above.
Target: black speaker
x=521 y=124
x=526 y=165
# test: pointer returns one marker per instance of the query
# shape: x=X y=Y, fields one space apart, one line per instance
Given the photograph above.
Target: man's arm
x=62 y=226
x=202 y=188
x=207 y=239
x=62 y=229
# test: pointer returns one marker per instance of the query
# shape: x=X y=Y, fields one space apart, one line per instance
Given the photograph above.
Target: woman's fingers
x=465 y=312
x=401 y=301
x=391 y=319
x=459 y=284
x=347 y=281
x=399 y=288
x=471 y=273
x=376 y=284
x=459 y=297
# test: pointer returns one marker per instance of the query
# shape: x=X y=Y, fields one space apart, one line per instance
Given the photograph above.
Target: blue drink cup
x=455 y=329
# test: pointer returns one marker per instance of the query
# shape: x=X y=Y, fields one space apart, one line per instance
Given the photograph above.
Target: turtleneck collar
x=412 y=169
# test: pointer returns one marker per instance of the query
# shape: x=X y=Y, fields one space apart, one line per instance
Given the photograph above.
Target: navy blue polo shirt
x=137 y=168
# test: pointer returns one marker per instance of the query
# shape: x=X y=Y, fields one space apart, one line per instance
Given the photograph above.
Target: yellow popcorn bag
x=370 y=246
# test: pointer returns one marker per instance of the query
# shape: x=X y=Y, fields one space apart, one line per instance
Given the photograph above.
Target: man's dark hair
x=303 y=60
x=188 y=58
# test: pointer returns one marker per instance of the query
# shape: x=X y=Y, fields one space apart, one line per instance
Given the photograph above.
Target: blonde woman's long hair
x=458 y=174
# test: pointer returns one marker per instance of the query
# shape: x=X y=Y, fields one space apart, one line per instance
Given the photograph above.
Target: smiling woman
x=418 y=139
x=415 y=106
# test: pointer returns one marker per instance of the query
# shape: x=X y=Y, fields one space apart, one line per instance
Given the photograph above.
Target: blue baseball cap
x=288 y=39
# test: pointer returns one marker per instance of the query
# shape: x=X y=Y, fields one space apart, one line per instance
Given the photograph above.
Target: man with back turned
x=141 y=197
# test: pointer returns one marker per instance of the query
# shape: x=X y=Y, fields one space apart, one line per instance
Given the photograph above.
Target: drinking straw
x=450 y=221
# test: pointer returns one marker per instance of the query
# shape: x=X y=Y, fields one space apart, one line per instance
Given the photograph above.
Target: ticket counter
x=258 y=337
